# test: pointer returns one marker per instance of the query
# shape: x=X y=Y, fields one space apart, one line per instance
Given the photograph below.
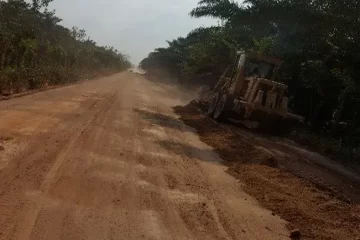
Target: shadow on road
x=189 y=151
x=161 y=119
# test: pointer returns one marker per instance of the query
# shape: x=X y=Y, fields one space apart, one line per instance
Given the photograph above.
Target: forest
x=36 y=51
x=317 y=39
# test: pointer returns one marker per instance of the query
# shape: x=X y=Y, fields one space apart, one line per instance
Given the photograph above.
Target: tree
x=36 y=50
x=317 y=39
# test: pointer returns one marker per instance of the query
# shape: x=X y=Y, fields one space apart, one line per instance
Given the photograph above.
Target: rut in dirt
x=112 y=161
x=311 y=198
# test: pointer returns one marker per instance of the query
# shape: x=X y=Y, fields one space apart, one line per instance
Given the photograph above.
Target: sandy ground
x=314 y=194
x=108 y=159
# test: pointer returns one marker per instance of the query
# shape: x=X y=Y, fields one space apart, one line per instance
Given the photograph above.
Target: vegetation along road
x=127 y=157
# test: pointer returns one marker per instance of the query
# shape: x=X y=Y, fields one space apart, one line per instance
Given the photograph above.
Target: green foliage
x=223 y=9
x=264 y=45
x=36 y=51
x=317 y=39
x=204 y=53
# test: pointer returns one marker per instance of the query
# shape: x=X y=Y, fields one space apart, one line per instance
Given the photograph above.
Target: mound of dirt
x=315 y=212
x=3 y=139
x=227 y=144
x=202 y=105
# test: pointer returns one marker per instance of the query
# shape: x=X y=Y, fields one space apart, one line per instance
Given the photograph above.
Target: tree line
x=36 y=51
x=317 y=39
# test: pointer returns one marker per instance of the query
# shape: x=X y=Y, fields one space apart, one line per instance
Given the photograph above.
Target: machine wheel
x=213 y=103
x=221 y=108
x=276 y=126
x=286 y=126
x=266 y=124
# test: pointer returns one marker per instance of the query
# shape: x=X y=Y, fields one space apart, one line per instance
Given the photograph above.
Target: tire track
x=30 y=161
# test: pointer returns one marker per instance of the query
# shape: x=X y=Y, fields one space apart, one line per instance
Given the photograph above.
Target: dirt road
x=314 y=194
x=108 y=159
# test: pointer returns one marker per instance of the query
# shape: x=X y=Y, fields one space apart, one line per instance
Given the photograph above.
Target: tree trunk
x=317 y=110
x=3 y=58
x=338 y=117
x=23 y=58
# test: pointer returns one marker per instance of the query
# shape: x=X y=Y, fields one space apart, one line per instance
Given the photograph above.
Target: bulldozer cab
x=249 y=66
x=249 y=89
x=255 y=64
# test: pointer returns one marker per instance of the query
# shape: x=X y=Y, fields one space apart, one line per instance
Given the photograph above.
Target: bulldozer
x=249 y=93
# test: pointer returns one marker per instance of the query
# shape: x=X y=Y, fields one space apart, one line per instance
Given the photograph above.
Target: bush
x=36 y=51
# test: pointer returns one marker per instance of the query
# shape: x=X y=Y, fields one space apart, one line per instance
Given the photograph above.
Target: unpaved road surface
x=108 y=159
x=311 y=192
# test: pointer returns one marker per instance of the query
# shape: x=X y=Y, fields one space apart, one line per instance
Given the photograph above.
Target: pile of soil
x=316 y=212
x=3 y=139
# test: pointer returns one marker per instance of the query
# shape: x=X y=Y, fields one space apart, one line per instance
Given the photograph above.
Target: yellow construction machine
x=248 y=92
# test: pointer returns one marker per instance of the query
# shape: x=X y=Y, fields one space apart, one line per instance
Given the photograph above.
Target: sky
x=134 y=27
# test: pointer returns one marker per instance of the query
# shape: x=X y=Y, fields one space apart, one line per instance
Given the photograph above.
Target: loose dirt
x=109 y=159
x=293 y=188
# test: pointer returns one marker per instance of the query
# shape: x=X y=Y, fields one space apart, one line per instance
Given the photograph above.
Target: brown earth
x=319 y=198
x=109 y=159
